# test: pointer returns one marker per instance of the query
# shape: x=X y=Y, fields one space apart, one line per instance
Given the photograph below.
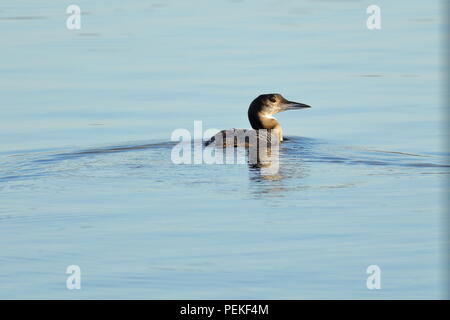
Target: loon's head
x=265 y=106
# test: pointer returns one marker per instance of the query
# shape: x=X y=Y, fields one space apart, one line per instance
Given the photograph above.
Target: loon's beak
x=291 y=105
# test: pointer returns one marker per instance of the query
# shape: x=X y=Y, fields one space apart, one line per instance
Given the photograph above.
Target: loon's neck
x=268 y=122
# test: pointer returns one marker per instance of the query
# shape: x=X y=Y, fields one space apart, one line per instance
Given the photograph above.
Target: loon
x=260 y=115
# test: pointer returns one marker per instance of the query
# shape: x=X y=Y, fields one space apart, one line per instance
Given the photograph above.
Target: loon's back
x=241 y=138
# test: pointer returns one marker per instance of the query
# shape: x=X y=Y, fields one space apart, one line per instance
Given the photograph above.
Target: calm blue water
x=86 y=176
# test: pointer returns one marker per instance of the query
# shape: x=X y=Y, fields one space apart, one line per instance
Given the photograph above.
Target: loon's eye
x=273 y=99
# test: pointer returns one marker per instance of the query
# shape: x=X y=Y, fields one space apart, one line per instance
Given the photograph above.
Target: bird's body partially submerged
x=242 y=138
x=260 y=115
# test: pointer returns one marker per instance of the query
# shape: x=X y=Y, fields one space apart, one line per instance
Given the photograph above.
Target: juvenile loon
x=260 y=115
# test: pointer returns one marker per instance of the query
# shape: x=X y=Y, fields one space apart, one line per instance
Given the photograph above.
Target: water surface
x=86 y=176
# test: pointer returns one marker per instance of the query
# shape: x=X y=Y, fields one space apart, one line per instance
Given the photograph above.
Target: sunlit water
x=86 y=176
